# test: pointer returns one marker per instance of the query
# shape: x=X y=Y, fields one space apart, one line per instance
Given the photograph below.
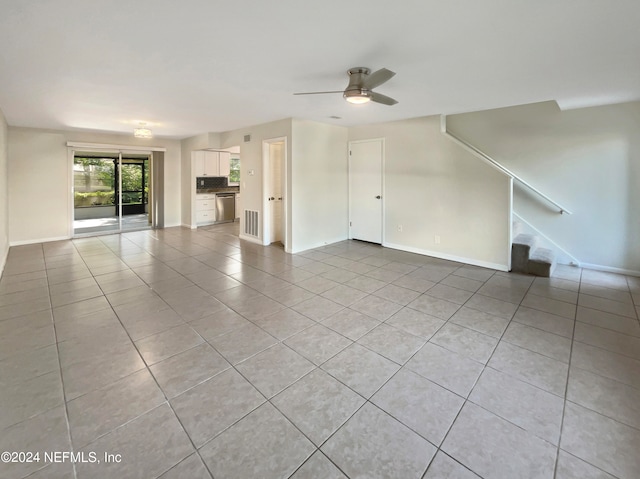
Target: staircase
x=528 y=258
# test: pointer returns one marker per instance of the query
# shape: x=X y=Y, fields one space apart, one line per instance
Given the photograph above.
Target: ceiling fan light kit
x=361 y=85
x=357 y=97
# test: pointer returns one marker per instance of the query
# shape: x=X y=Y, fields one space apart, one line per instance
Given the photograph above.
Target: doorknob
x=378 y=197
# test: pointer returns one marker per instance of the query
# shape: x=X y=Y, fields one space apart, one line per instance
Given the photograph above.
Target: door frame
x=382 y=181
x=266 y=168
x=118 y=150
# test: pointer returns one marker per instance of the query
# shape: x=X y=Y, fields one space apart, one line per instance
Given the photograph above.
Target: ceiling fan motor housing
x=355 y=91
x=357 y=78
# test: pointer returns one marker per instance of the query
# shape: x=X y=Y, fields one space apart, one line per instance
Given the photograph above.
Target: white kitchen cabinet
x=211 y=163
x=205 y=209
x=224 y=163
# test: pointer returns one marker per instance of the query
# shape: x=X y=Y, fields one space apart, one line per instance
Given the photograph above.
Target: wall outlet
x=400 y=228
x=436 y=239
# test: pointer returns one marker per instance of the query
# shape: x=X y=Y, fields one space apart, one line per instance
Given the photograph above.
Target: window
x=234 y=175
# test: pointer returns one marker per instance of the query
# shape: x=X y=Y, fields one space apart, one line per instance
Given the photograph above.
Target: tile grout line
x=151 y=374
x=366 y=400
x=233 y=366
x=566 y=401
x=316 y=367
x=64 y=393
x=485 y=366
x=148 y=369
x=445 y=322
x=566 y=386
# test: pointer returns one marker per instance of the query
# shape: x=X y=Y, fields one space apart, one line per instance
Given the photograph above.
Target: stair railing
x=487 y=159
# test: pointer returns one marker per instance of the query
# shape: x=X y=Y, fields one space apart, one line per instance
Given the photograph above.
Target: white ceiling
x=193 y=66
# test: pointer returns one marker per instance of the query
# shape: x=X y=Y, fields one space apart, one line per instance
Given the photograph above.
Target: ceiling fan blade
x=377 y=78
x=319 y=92
x=384 y=99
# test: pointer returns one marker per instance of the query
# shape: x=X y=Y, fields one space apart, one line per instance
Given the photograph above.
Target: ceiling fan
x=361 y=85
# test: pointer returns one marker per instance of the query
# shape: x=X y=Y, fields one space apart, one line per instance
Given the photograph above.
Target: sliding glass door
x=110 y=192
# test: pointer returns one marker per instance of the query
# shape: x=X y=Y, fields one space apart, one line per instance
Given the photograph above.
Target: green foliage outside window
x=234 y=175
x=95 y=182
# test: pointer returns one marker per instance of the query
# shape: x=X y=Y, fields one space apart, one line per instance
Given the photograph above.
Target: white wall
x=4 y=193
x=586 y=159
x=434 y=187
x=39 y=180
x=319 y=186
x=251 y=159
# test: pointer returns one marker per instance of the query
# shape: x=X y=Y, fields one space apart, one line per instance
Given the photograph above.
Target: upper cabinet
x=225 y=163
x=211 y=163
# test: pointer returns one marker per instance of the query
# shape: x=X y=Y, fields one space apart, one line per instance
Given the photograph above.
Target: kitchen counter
x=228 y=189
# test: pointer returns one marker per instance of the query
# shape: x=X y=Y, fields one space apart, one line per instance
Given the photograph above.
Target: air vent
x=251 y=223
x=247 y=138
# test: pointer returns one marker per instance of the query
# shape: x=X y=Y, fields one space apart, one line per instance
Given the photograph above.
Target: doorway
x=111 y=192
x=366 y=185
x=274 y=181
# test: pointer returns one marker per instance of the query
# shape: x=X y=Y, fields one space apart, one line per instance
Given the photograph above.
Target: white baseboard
x=250 y=239
x=609 y=269
x=39 y=240
x=188 y=226
x=319 y=245
x=450 y=257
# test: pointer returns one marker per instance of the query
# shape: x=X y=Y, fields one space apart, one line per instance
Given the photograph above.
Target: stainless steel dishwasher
x=225 y=207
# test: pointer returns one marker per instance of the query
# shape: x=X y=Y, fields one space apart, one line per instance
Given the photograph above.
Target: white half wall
x=39 y=180
x=586 y=159
x=447 y=203
x=319 y=186
x=4 y=193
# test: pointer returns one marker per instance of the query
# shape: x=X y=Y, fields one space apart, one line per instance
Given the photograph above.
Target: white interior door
x=276 y=152
x=365 y=190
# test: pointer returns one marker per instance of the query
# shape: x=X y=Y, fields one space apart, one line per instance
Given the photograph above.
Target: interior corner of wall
x=3 y=255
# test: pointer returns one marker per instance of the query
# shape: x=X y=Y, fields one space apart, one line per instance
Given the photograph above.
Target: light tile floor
x=192 y=354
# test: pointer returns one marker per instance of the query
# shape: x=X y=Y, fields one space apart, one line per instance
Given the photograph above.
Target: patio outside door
x=111 y=192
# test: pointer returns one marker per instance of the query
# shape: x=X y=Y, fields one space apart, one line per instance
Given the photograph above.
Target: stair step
x=521 y=249
x=542 y=262
x=527 y=258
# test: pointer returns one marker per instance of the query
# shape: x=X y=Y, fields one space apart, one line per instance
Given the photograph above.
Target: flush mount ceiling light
x=142 y=131
x=357 y=96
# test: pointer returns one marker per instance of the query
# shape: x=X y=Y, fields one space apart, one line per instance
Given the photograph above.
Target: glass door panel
x=94 y=194
x=135 y=193
x=111 y=192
